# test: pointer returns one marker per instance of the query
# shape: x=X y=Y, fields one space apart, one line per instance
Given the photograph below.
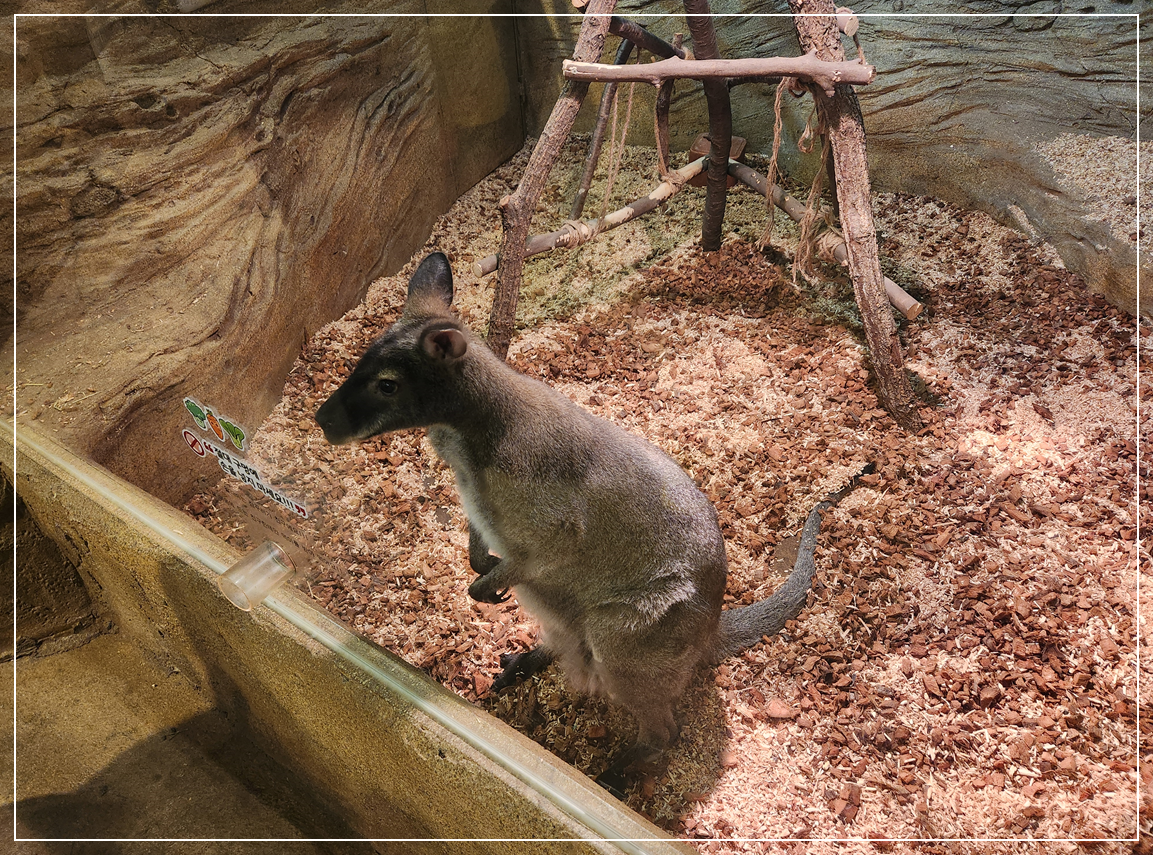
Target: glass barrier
x=216 y=216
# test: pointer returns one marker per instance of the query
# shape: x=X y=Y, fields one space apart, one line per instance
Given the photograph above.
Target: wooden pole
x=807 y=67
x=643 y=39
x=700 y=20
x=661 y=119
x=574 y=233
x=516 y=210
x=816 y=24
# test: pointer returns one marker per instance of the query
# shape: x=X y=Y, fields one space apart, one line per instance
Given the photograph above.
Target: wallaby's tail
x=743 y=627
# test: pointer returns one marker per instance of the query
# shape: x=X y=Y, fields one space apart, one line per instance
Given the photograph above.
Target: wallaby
x=605 y=539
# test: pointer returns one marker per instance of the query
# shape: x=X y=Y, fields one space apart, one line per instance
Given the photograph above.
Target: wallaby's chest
x=514 y=511
x=471 y=482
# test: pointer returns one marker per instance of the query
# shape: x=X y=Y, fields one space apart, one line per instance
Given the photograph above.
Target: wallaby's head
x=406 y=377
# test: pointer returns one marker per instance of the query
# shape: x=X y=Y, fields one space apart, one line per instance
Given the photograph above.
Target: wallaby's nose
x=333 y=420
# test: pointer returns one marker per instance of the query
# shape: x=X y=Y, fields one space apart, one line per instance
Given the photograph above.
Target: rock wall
x=6 y=283
x=958 y=111
x=197 y=194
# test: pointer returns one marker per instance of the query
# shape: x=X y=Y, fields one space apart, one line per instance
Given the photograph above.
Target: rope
x=574 y=233
x=812 y=239
x=806 y=243
x=766 y=238
x=616 y=150
x=674 y=178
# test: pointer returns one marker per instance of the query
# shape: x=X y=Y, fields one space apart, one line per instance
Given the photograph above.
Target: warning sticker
x=232 y=465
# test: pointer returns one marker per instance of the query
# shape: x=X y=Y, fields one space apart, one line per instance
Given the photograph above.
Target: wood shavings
x=966 y=667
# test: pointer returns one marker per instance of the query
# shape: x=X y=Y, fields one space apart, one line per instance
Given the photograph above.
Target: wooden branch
x=831 y=178
x=905 y=303
x=661 y=118
x=700 y=20
x=733 y=82
x=847 y=22
x=643 y=39
x=827 y=75
x=816 y=25
x=516 y=210
x=574 y=233
x=598 y=137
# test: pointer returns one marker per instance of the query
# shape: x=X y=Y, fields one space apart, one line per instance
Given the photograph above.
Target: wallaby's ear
x=444 y=343
x=430 y=288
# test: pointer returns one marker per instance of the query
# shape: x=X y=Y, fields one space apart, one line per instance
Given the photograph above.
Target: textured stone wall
x=959 y=105
x=197 y=194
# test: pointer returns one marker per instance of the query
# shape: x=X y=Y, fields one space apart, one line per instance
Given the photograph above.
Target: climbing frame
x=822 y=70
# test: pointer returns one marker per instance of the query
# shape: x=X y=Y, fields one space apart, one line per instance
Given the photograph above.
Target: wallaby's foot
x=518 y=666
x=484 y=591
x=657 y=729
x=620 y=773
x=615 y=781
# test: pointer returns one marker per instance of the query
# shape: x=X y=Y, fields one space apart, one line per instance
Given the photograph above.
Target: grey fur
x=603 y=537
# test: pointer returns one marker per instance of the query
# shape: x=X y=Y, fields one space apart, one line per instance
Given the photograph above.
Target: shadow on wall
x=202 y=779
x=55 y=612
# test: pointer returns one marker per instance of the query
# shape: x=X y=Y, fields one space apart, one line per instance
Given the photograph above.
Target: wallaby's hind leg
x=656 y=729
x=518 y=666
x=646 y=672
x=649 y=695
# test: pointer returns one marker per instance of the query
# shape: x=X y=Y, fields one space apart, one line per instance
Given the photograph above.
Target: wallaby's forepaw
x=517 y=666
x=482 y=566
x=483 y=591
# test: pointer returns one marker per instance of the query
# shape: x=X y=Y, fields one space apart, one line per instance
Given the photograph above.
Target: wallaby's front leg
x=517 y=666
x=479 y=558
x=493 y=586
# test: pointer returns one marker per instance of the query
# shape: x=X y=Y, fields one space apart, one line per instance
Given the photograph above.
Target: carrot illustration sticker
x=215 y=425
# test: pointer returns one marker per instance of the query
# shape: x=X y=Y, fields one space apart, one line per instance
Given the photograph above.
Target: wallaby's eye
x=388 y=387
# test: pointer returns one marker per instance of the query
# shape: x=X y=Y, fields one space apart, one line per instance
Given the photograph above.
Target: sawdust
x=966 y=668
x=1105 y=170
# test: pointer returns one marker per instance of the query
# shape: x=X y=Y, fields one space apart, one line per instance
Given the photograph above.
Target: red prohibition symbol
x=194 y=442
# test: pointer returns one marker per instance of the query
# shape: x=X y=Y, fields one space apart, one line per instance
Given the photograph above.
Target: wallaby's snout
x=366 y=403
x=333 y=420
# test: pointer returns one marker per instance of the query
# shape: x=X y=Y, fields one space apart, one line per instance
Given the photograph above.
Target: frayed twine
x=616 y=149
x=813 y=240
x=766 y=238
